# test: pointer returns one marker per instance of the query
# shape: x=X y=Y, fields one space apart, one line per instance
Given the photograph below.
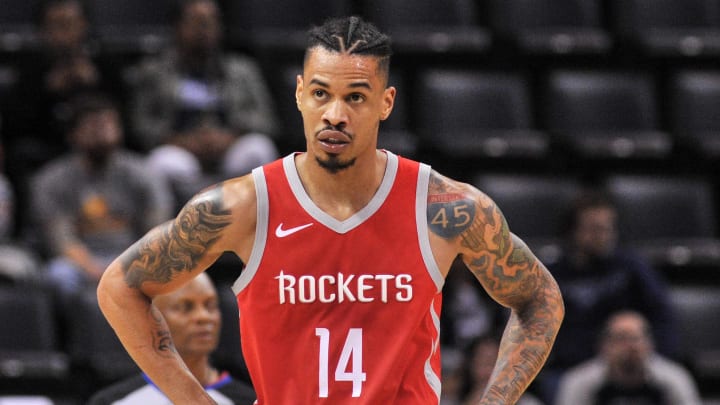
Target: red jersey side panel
x=342 y=312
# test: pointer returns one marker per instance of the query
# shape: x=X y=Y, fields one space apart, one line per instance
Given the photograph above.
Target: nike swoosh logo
x=281 y=233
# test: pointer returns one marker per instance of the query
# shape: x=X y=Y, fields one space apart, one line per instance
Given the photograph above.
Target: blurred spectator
x=479 y=363
x=193 y=318
x=627 y=370
x=63 y=66
x=16 y=262
x=453 y=361
x=598 y=277
x=95 y=201
x=201 y=113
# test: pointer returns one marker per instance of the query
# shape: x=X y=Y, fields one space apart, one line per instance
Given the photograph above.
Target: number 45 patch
x=449 y=215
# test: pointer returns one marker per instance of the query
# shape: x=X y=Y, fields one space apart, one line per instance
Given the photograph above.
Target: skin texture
x=342 y=98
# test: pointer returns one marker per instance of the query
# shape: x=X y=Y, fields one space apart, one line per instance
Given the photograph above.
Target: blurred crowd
x=95 y=154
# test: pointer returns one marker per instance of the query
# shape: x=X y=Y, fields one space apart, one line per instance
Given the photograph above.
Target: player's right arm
x=164 y=259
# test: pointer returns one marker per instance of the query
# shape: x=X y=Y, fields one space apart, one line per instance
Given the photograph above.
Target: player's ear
x=388 y=102
x=298 y=90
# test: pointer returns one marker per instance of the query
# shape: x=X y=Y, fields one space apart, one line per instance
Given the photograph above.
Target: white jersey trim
x=432 y=378
x=422 y=226
x=356 y=219
x=261 y=231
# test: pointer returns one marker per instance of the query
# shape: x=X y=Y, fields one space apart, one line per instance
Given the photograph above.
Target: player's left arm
x=509 y=272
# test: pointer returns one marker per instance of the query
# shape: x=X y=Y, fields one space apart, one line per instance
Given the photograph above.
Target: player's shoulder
x=232 y=194
x=440 y=185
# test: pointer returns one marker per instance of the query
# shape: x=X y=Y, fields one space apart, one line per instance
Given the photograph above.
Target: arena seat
x=668 y=28
x=278 y=25
x=31 y=357
x=17 y=26
x=604 y=114
x=470 y=114
x=697 y=308
x=430 y=26
x=95 y=350
x=693 y=98
x=670 y=219
x=131 y=27
x=563 y=27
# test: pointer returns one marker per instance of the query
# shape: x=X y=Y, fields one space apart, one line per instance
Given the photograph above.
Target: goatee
x=333 y=165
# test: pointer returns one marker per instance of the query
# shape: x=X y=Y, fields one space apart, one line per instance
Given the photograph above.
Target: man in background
x=627 y=370
x=194 y=321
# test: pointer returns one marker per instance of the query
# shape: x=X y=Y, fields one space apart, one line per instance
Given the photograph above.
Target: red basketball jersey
x=342 y=312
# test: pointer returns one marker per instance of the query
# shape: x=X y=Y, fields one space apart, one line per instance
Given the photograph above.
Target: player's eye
x=356 y=98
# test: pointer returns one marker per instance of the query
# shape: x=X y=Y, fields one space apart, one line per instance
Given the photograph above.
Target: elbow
x=557 y=306
x=105 y=289
x=113 y=289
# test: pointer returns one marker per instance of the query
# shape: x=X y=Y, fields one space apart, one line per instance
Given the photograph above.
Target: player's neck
x=343 y=193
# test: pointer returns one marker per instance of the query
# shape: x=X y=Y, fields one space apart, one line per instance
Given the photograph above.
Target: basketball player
x=346 y=249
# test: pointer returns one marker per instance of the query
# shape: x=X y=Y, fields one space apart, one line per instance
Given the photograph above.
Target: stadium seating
x=276 y=26
x=697 y=308
x=131 y=26
x=430 y=26
x=694 y=97
x=96 y=353
x=565 y=27
x=604 y=114
x=32 y=360
x=471 y=114
x=17 y=25
x=672 y=220
x=668 y=28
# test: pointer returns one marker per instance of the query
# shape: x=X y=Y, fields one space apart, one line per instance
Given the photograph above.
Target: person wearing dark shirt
x=64 y=65
x=598 y=276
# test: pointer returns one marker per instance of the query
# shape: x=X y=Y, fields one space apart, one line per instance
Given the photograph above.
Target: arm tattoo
x=509 y=272
x=178 y=245
x=449 y=212
x=162 y=341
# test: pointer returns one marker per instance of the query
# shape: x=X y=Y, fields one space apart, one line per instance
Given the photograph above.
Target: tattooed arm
x=467 y=222
x=167 y=257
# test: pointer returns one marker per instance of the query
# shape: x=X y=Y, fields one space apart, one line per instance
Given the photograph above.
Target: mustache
x=337 y=128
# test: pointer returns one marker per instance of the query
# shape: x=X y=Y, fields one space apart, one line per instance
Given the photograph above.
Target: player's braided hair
x=351 y=35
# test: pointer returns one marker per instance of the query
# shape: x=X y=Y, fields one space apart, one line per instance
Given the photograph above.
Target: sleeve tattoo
x=508 y=271
x=177 y=245
x=499 y=260
x=161 y=338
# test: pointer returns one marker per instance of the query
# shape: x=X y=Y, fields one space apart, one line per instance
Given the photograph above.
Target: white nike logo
x=281 y=233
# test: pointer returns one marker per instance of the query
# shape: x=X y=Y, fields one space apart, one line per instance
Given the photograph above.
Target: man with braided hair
x=346 y=248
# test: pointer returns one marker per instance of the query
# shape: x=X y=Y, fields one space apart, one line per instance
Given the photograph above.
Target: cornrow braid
x=351 y=35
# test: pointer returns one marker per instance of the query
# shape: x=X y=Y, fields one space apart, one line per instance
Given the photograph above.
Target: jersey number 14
x=351 y=349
